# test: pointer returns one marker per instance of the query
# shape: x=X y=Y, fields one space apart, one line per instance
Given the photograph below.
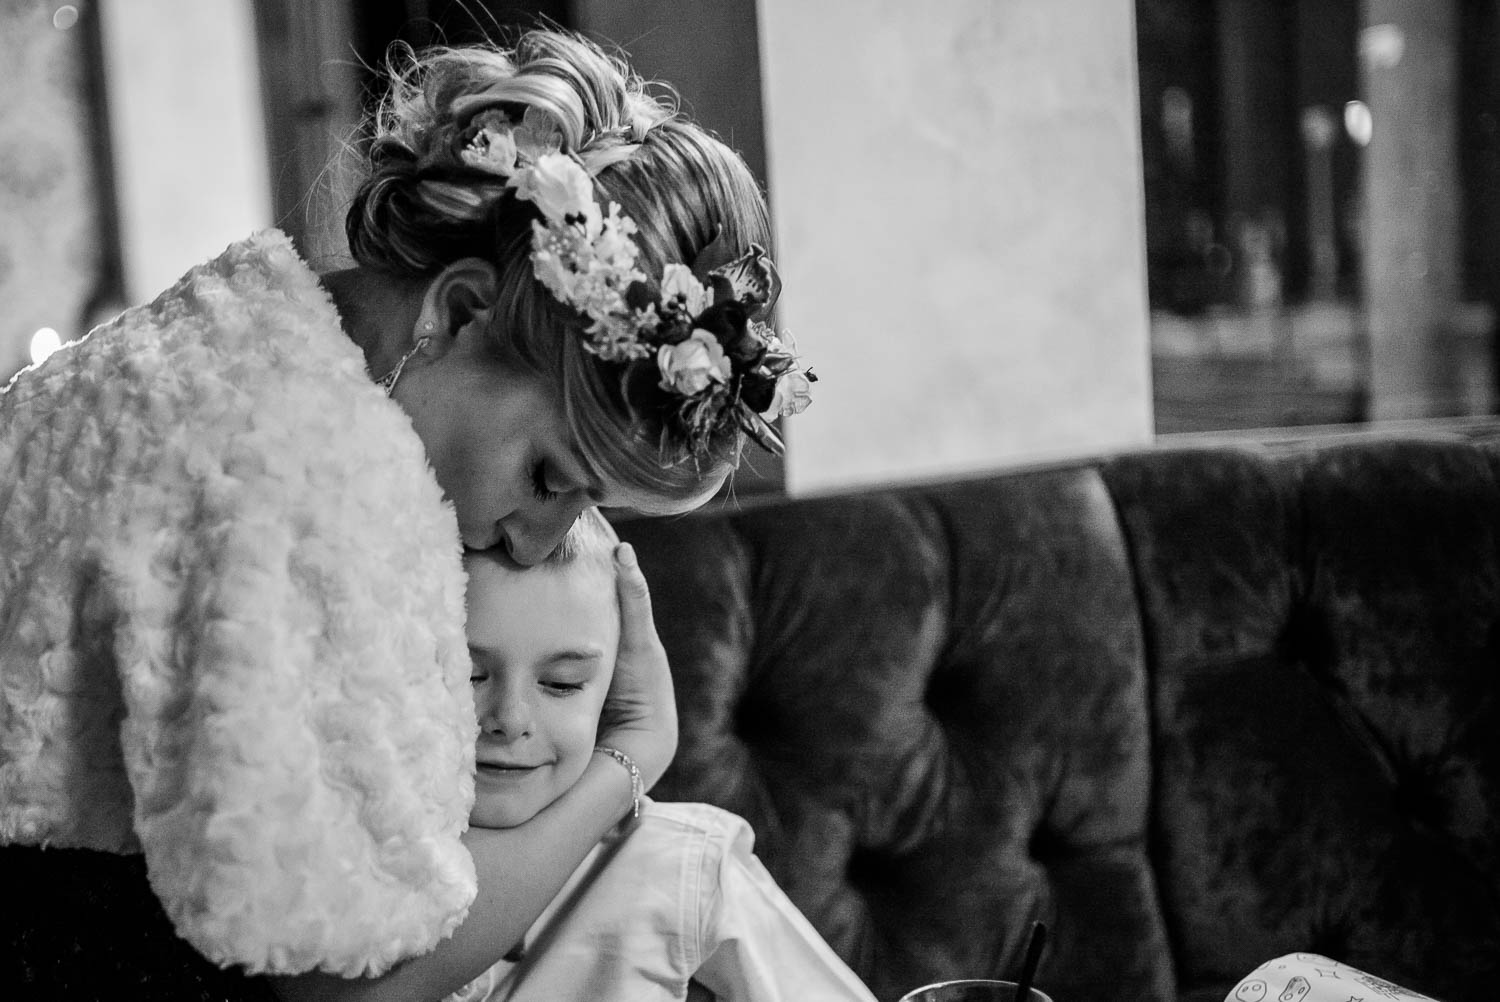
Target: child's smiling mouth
x=505 y=768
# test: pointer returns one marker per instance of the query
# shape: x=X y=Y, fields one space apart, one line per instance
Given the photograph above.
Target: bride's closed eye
x=539 y=488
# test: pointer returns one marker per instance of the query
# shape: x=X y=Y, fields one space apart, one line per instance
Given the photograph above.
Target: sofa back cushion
x=930 y=705
x=1241 y=701
x=1325 y=657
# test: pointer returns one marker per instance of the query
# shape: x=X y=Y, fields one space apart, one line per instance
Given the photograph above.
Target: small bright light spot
x=1382 y=45
x=43 y=343
x=65 y=17
x=1176 y=110
x=1177 y=122
x=1358 y=122
x=1318 y=127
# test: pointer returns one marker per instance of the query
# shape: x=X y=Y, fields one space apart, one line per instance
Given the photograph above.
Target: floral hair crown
x=717 y=361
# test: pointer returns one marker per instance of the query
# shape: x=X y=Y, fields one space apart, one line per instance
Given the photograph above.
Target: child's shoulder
x=697 y=820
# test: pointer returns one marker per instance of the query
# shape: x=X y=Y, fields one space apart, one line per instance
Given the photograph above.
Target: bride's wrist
x=650 y=749
x=637 y=790
x=609 y=781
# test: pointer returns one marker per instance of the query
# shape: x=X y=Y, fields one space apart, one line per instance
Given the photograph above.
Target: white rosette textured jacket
x=231 y=625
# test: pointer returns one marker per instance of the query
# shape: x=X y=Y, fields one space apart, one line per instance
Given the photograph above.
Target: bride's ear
x=461 y=293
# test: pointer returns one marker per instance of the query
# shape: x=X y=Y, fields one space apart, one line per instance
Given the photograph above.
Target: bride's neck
x=378 y=311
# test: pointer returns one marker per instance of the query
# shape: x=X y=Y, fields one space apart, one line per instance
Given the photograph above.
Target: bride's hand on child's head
x=640 y=713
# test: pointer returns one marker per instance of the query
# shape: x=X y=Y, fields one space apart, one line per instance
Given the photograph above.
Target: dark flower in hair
x=721 y=365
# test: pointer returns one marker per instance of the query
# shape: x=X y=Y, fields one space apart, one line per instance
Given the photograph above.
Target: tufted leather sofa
x=1195 y=707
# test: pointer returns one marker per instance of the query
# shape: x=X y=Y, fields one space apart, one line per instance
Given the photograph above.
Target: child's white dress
x=677 y=895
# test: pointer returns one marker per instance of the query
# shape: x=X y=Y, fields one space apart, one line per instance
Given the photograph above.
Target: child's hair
x=591 y=539
x=588 y=549
x=420 y=208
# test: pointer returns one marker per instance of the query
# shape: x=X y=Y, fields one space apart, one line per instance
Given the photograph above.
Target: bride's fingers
x=637 y=628
x=640 y=711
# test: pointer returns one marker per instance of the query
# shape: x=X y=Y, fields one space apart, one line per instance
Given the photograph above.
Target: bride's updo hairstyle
x=421 y=207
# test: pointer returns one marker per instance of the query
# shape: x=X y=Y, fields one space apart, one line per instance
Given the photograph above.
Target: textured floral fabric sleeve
x=234 y=606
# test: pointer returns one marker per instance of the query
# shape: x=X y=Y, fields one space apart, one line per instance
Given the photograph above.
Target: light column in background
x=1413 y=248
x=187 y=132
x=957 y=191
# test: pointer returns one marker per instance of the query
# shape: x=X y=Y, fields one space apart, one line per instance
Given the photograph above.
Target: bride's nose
x=532 y=535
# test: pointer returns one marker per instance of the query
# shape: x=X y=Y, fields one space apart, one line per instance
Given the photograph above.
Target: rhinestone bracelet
x=636 y=790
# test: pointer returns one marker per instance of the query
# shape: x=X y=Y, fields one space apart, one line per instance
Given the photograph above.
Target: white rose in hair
x=679 y=280
x=688 y=367
x=793 y=394
x=559 y=186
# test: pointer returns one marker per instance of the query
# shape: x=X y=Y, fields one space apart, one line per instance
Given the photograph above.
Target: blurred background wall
x=135 y=147
x=957 y=189
x=1012 y=232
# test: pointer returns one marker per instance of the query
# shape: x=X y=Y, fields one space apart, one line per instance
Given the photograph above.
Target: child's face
x=543 y=643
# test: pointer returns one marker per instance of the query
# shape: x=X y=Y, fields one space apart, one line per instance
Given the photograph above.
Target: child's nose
x=505 y=713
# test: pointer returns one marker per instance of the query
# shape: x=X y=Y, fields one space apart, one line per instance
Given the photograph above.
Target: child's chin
x=489 y=817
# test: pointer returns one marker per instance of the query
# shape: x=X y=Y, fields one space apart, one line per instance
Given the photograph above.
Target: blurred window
x=1321 y=209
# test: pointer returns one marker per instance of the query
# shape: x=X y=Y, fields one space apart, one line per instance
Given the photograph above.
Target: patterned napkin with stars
x=1308 y=977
